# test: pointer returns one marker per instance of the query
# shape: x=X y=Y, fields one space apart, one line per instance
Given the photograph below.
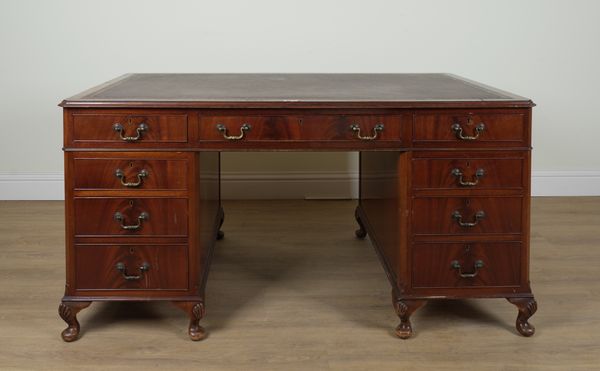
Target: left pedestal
x=141 y=226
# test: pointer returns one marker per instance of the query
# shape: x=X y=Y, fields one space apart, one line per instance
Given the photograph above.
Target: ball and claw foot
x=196 y=311
x=68 y=312
x=361 y=232
x=220 y=235
x=404 y=309
x=404 y=330
x=527 y=308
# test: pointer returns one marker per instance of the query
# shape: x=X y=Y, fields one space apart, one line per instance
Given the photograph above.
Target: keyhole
x=131 y=164
x=468 y=202
x=468 y=163
x=131 y=203
x=131 y=250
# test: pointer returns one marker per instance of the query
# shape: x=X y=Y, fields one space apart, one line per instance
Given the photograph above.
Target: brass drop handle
x=243 y=129
x=121 y=219
x=140 y=129
x=140 y=176
x=356 y=128
x=123 y=270
x=458 y=174
x=476 y=267
x=480 y=215
x=458 y=130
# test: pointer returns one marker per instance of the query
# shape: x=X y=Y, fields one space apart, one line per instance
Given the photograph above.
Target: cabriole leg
x=195 y=309
x=527 y=307
x=68 y=312
x=361 y=232
x=404 y=309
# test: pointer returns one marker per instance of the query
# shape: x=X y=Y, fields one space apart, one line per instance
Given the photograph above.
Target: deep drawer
x=467 y=215
x=131 y=217
x=129 y=172
x=471 y=129
x=127 y=130
x=131 y=267
x=468 y=173
x=451 y=265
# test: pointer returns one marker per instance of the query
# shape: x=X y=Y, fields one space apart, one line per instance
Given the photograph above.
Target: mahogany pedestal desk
x=444 y=181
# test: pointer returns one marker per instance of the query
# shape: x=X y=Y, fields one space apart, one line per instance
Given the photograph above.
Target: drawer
x=468 y=173
x=239 y=129
x=452 y=265
x=351 y=129
x=471 y=129
x=129 y=172
x=131 y=217
x=129 y=129
x=355 y=128
x=131 y=267
x=467 y=215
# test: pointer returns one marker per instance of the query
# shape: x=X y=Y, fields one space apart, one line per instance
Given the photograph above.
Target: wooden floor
x=291 y=289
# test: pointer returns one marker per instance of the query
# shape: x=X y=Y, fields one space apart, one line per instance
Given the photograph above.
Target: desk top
x=294 y=91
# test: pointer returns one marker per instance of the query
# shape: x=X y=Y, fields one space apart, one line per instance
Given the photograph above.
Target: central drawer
x=131 y=267
x=131 y=217
x=467 y=215
x=353 y=129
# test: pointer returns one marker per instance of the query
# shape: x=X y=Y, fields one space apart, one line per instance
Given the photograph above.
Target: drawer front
x=467 y=173
x=352 y=128
x=129 y=173
x=452 y=265
x=131 y=267
x=239 y=129
x=127 y=130
x=467 y=215
x=471 y=130
x=355 y=130
x=131 y=217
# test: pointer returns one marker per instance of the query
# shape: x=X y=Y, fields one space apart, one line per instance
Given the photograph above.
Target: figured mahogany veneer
x=486 y=128
x=164 y=216
x=433 y=265
x=444 y=181
x=100 y=128
x=129 y=171
x=299 y=128
x=436 y=215
x=488 y=171
x=143 y=267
